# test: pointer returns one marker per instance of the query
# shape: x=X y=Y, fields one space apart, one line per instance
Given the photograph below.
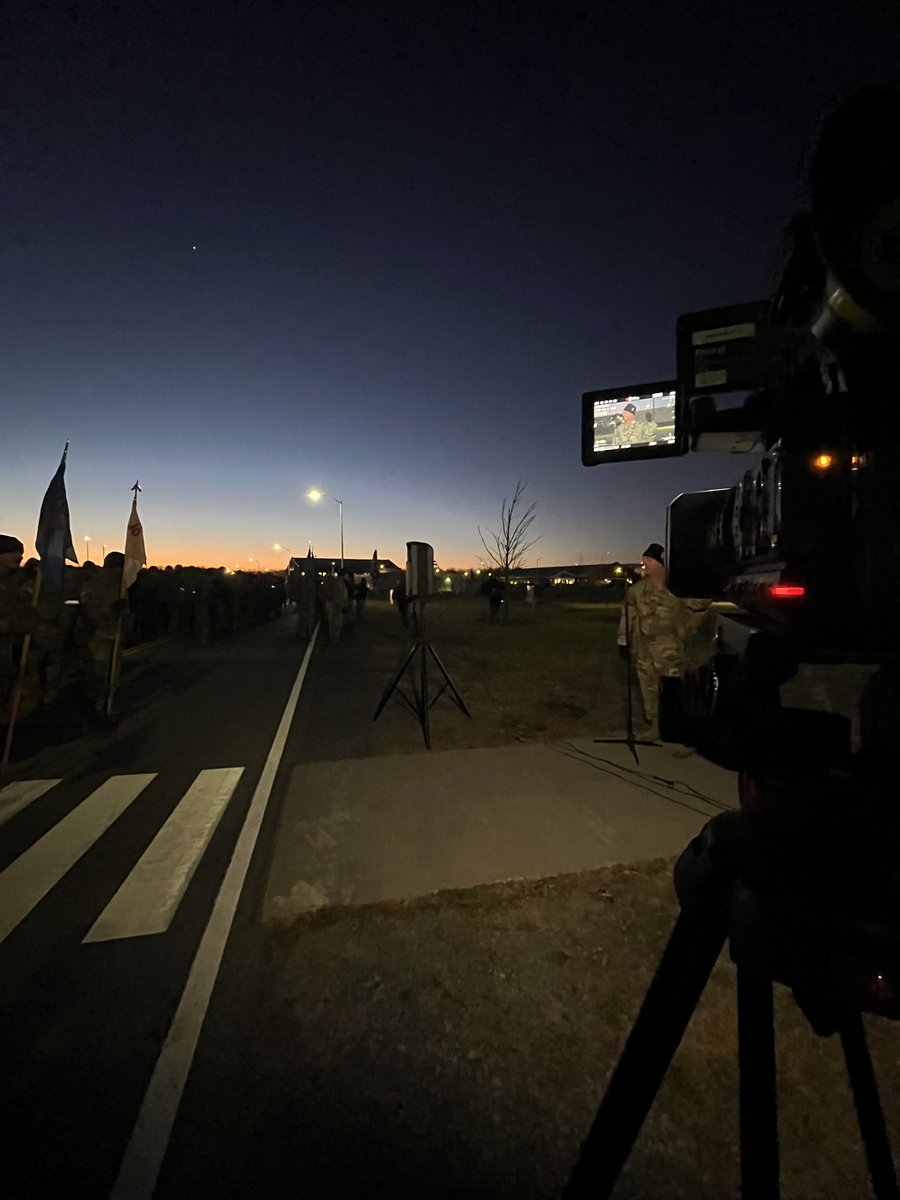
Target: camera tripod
x=733 y=882
x=419 y=704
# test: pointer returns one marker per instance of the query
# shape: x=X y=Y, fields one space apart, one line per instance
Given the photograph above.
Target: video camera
x=804 y=880
x=809 y=540
x=807 y=544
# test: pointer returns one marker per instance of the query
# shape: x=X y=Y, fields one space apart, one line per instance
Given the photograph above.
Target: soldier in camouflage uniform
x=302 y=588
x=645 y=428
x=653 y=629
x=101 y=602
x=47 y=660
x=334 y=597
x=635 y=428
x=16 y=616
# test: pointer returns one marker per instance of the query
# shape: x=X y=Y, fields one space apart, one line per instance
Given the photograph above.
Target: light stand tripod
x=419 y=703
x=731 y=881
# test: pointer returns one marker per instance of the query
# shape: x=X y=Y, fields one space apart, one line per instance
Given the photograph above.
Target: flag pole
x=112 y=683
x=20 y=679
x=113 y=665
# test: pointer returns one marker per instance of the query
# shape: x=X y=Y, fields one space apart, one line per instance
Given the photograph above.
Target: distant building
x=388 y=571
x=564 y=575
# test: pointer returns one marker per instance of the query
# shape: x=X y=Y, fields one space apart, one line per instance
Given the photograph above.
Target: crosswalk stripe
x=28 y=880
x=16 y=796
x=147 y=900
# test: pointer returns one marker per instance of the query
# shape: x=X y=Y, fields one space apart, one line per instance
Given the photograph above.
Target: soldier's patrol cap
x=654 y=550
x=10 y=544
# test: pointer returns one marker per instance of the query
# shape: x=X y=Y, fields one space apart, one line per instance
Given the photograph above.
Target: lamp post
x=87 y=548
x=286 y=549
x=256 y=560
x=315 y=495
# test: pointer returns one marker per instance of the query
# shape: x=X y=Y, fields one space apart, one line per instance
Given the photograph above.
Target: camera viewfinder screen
x=643 y=420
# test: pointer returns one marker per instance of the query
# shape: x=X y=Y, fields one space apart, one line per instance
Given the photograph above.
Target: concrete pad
x=364 y=830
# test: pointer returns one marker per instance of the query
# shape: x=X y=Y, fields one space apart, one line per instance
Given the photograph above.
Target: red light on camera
x=784 y=591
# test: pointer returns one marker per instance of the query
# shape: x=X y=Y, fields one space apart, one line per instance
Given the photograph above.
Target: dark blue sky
x=421 y=231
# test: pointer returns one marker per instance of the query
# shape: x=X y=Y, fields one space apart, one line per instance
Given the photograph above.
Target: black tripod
x=730 y=882
x=419 y=703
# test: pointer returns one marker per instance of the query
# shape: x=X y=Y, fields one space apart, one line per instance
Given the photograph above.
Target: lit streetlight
x=254 y=560
x=315 y=495
x=286 y=549
x=87 y=548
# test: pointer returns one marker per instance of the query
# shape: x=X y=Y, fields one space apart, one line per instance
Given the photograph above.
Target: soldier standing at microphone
x=653 y=628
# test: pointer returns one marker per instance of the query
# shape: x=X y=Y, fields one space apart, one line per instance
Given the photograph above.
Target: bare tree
x=508 y=546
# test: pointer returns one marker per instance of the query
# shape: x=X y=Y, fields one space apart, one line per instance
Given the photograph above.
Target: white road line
x=146 y=1149
x=28 y=880
x=16 y=796
x=147 y=900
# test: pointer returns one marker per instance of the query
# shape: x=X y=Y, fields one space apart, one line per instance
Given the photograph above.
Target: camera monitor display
x=626 y=423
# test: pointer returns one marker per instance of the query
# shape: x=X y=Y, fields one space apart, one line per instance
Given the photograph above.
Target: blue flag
x=54 y=535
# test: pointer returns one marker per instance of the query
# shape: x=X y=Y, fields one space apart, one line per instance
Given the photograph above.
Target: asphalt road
x=120 y=878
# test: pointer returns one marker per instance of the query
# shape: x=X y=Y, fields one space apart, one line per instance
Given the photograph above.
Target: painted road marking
x=149 y=1140
x=28 y=880
x=16 y=796
x=147 y=900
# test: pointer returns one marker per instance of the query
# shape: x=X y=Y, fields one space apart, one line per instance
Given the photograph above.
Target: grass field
x=552 y=672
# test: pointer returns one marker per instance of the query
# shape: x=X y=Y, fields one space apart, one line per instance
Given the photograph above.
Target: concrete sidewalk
x=385 y=828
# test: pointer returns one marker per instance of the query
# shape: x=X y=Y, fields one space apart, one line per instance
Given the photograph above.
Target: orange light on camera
x=823 y=462
x=786 y=591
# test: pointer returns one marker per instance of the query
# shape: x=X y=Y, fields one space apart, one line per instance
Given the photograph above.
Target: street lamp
x=315 y=495
x=87 y=548
x=256 y=560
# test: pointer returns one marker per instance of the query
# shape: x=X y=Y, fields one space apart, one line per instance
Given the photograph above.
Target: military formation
x=70 y=637
x=203 y=604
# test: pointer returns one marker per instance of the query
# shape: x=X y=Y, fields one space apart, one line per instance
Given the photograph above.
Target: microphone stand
x=629 y=739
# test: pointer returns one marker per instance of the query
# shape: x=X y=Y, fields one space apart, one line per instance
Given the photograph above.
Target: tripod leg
x=449 y=682
x=759 y=1111
x=680 y=978
x=424 y=706
x=629 y=676
x=868 y=1109
x=391 y=687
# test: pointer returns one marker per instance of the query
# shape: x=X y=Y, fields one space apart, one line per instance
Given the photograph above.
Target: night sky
x=382 y=249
